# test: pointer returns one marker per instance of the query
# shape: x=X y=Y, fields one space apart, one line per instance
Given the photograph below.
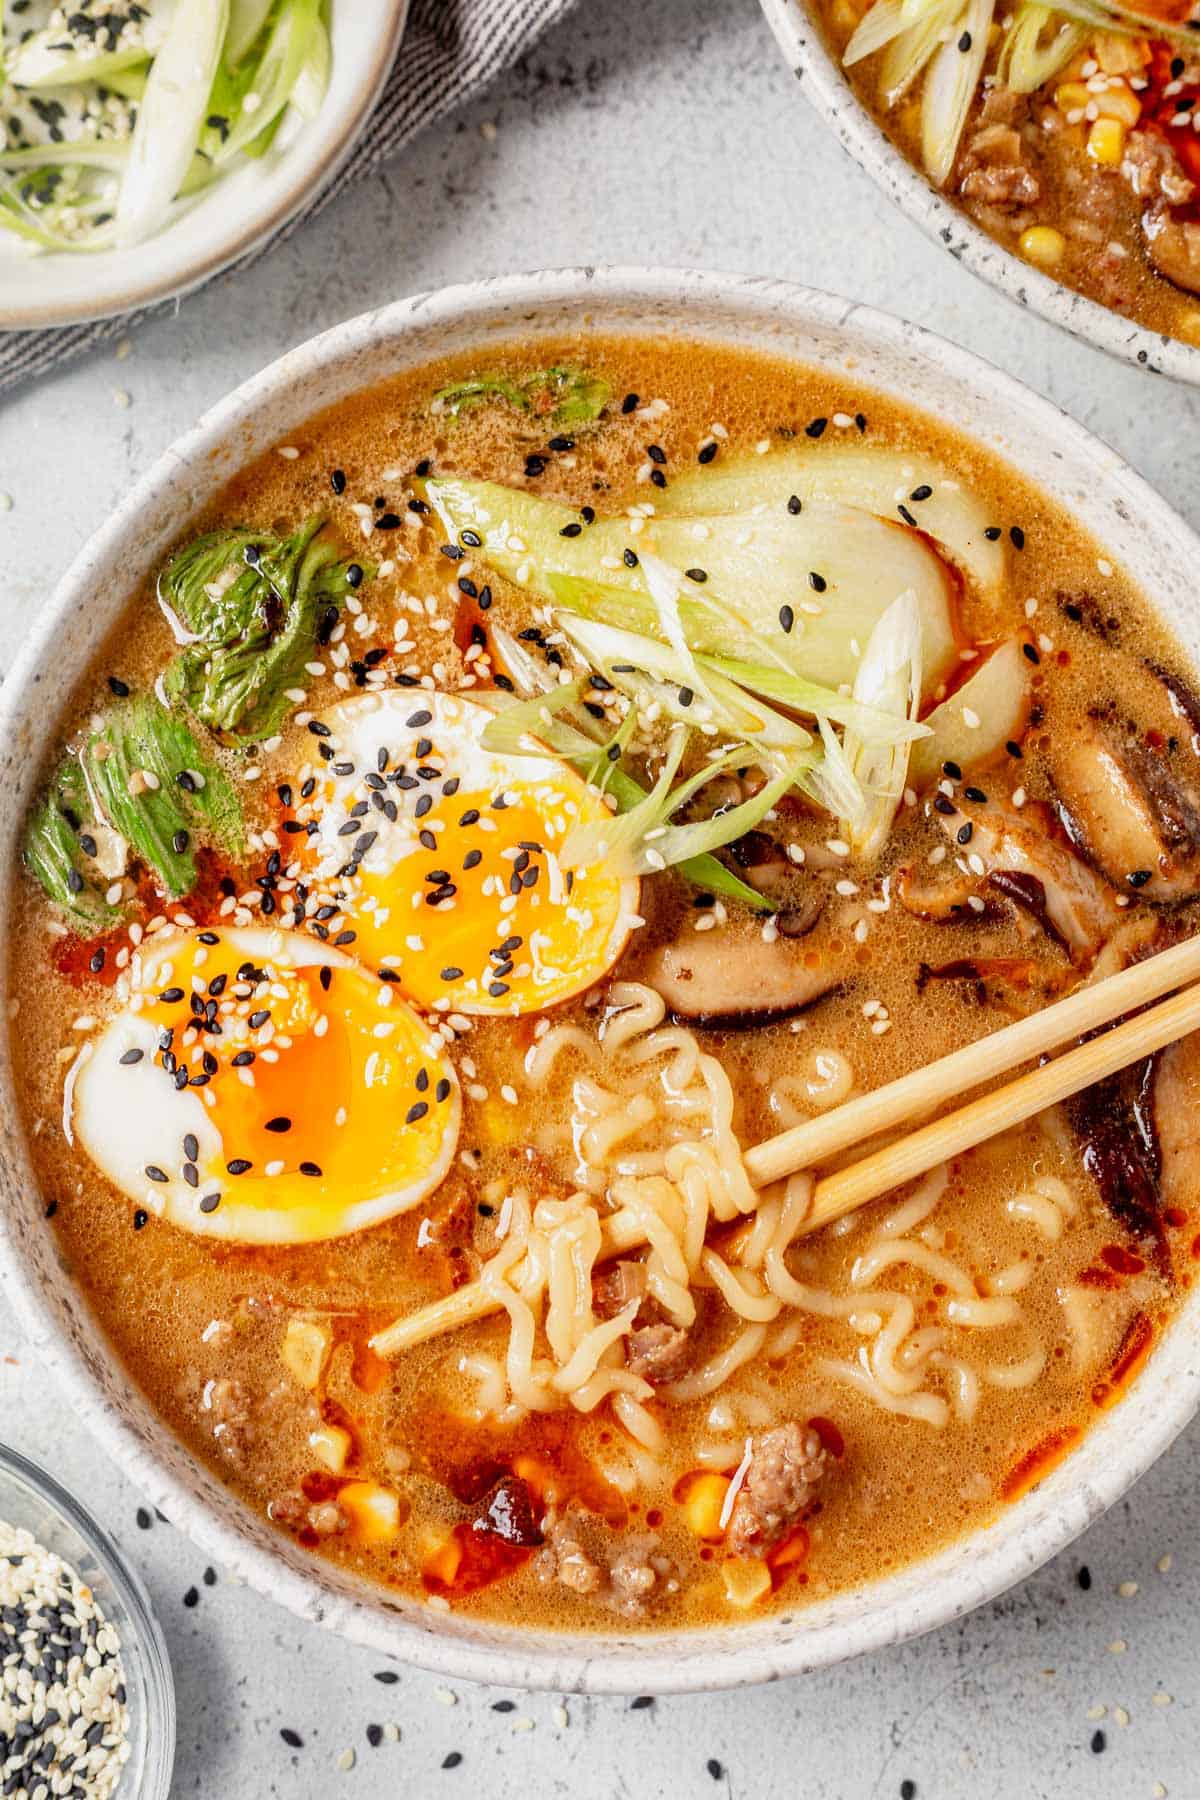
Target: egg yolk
x=323 y=1094
x=439 y=860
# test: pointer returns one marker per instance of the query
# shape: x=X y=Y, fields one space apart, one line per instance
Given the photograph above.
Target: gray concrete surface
x=665 y=131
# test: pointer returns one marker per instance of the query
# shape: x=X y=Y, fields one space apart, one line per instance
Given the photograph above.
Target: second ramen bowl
x=897 y=359
x=820 y=74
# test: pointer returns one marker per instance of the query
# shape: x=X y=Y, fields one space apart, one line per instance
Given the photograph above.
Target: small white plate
x=823 y=79
x=250 y=205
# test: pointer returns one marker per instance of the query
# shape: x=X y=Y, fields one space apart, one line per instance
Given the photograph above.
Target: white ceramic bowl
x=254 y=201
x=802 y=42
x=1136 y=528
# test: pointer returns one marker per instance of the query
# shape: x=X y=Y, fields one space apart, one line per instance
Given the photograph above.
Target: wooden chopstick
x=1006 y=1106
x=913 y=1095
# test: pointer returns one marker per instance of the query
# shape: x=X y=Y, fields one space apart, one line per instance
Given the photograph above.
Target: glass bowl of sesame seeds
x=87 y=1704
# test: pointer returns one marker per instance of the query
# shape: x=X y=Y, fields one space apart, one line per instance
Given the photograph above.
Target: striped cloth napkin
x=451 y=50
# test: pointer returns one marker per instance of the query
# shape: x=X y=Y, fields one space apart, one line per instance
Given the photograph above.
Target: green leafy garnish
x=257 y=606
x=53 y=853
x=141 y=774
x=561 y=394
x=539 y=717
x=149 y=778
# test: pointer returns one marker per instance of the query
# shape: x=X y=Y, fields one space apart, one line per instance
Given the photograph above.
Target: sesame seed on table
x=686 y=141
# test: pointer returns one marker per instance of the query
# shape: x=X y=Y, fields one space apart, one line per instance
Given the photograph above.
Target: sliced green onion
x=950 y=88
x=247 y=20
x=1028 y=57
x=909 y=53
x=528 y=727
x=622 y=656
x=170 y=117
x=889 y=677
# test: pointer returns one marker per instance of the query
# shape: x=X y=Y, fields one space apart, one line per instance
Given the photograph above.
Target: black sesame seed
x=921 y=493
x=1031 y=654
x=942 y=805
x=310 y=1168
x=964 y=42
x=416 y=1111
x=388 y=1677
x=118 y=687
x=714 y=1768
x=154 y=1173
x=210 y=1203
x=452 y=1760
x=1099 y=1743
x=1017 y=536
x=418 y=719
x=706 y=452
x=629 y=403
x=442 y=1091
x=657 y=478
x=451 y=974
x=906 y=515
x=191 y=1146
x=374 y=1736
x=130 y=1057
x=787 y=618
x=535 y=466
x=140 y=1219
x=816 y=582
x=975 y=794
x=472 y=859
x=629 y=557
x=964 y=833
x=1138 y=878
x=239 y=1165
x=96 y=961
x=641 y=1703
x=291 y=1738
x=561 y=444
x=388 y=521
x=952 y=770
x=192 y=1597
x=991 y=533
x=1084 y=1577
x=354 y=573
x=795 y=504
x=144 y=1519
x=908 y=1790
x=815 y=427
x=572 y=530
x=337 y=480
x=279 y=1124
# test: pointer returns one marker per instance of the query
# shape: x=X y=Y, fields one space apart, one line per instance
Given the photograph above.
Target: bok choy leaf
x=143 y=776
x=562 y=394
x=149 y=778
x=255 y=607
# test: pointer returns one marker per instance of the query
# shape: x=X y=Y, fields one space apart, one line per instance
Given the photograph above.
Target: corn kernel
x=374 y=1511
x=746 y=1581
x=1043 y=245
x=304 y=1350
x=1119 y=103
x=703 y=1505
x=331 y=1446
x=1071 y=97
x=1106 y=142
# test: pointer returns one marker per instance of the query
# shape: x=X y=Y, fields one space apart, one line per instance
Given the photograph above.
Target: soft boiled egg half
x=259 y=1086
x=430 y=856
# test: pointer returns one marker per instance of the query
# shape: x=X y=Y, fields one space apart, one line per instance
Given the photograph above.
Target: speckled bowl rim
x=802 y=42
x=318 y=160
x=776 y=317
